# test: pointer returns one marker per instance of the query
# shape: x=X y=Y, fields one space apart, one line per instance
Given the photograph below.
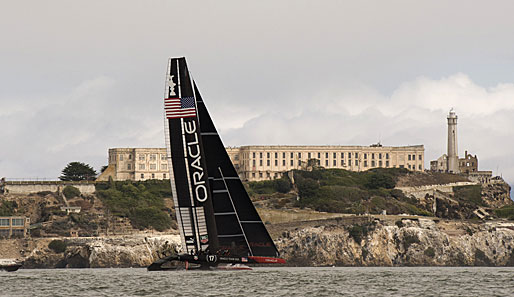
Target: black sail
x=187 y=163
x=240 y=230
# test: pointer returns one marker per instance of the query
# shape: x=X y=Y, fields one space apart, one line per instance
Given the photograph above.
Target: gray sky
x=79 y=77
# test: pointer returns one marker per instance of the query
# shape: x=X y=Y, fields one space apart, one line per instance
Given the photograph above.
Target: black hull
x=209 y=261
x=10 y=268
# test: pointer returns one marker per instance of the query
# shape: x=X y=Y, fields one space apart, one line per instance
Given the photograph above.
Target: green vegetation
x=505 y=212
x=71 y=192
x=76 y=171
x=469 y=194
x=337 y=190
x=57 y=246
x=141 y=202
x=429 y=252
x=358 y=232
x=7 y=208
x=409 y=240
x=281 y=185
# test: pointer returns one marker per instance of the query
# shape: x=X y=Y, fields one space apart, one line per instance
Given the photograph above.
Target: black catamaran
x=217 y=220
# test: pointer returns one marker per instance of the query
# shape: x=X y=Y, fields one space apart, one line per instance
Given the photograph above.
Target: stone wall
x=35 y=187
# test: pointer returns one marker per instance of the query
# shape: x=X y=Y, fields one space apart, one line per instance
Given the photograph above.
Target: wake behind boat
x=217 y=221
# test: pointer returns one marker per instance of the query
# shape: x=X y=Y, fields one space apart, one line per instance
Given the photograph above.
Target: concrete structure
x=453 y=158
x=29 y=187
x=262 y=162
x=466 y=165
x=136 y=164
x=14 y=227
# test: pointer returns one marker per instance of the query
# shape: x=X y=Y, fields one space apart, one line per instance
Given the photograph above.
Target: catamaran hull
x=208 y=261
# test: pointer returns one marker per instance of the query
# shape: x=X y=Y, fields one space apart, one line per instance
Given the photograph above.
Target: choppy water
x=405 y=281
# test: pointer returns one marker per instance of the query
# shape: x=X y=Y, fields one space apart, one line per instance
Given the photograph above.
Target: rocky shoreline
x=422 y=242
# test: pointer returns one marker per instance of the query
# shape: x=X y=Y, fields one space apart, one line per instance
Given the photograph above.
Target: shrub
x=70 y=192
x=358 y=232
x=408 y=240
x=7 y=208
x=429 y=252
x=399 y=223
x=57 y=246
x=471 y=194
x=505 y=212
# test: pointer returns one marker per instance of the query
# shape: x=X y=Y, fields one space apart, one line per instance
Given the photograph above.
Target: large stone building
x=136 y=164
x=262 y=162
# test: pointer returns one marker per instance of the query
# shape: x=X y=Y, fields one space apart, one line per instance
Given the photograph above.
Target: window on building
x=402 y=166
x=129 y=166
x=299 y=162
x=283 y=155
x=292 y=155
x=130 y=156
x=142 y=175
x=342 y=163
x=260 y=155
x=349 y=155
x=373 y=156
x=121 y=157
x=268 y=155
x=365 y=156
x=373 y=163
x=268 y=175
x=153 y=166
x=4 y=222
x=164 y=166
x=253 y=154
x=409 y=157
x=292 y=163
x=163 y=157
x=308 y=155
x=253 y=163
x=141 y=166
x=379 y=163
x=335 y=163
x=268 y=162
x=356 y=155
x=335 y=155
x=419 y=157
x=164 y=175
x=253 y=174
x=409 y=166
x=356 y=162
x=141 y=157
x=153 y=157
x=319 y=155
x=419 y=167
x=153 y=175
x=299 y=155
x=342 y=155
x=276 y=162
x=326 y=163
x=283 y=162
x=326 y=155
x=260 y=174
x=365 y=163
x=380 y=156
x=387 y=163
x=260 y=162
x=387 y=156
x=276 y=155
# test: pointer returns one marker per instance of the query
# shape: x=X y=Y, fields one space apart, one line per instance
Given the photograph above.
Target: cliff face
x=421 y=243
x=101 y=252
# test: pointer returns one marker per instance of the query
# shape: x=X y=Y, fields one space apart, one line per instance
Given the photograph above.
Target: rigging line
x=237 y=215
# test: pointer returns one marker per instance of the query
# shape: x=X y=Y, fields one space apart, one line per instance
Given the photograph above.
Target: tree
x=78 y=171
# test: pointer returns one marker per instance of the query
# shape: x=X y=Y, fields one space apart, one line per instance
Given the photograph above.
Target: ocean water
x=282 y=281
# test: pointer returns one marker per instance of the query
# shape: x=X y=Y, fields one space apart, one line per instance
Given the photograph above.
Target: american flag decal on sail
x=180 y=107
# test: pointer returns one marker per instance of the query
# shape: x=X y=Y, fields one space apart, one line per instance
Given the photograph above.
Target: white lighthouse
x=453 y=158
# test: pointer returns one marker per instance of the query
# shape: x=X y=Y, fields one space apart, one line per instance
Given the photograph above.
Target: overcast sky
x=79 y=77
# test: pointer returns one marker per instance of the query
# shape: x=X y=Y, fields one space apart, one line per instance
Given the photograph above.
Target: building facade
x=136 y=164
x=14 y=227
x=264 y=162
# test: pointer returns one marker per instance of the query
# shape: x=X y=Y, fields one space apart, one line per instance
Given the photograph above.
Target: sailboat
x=219 y=226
